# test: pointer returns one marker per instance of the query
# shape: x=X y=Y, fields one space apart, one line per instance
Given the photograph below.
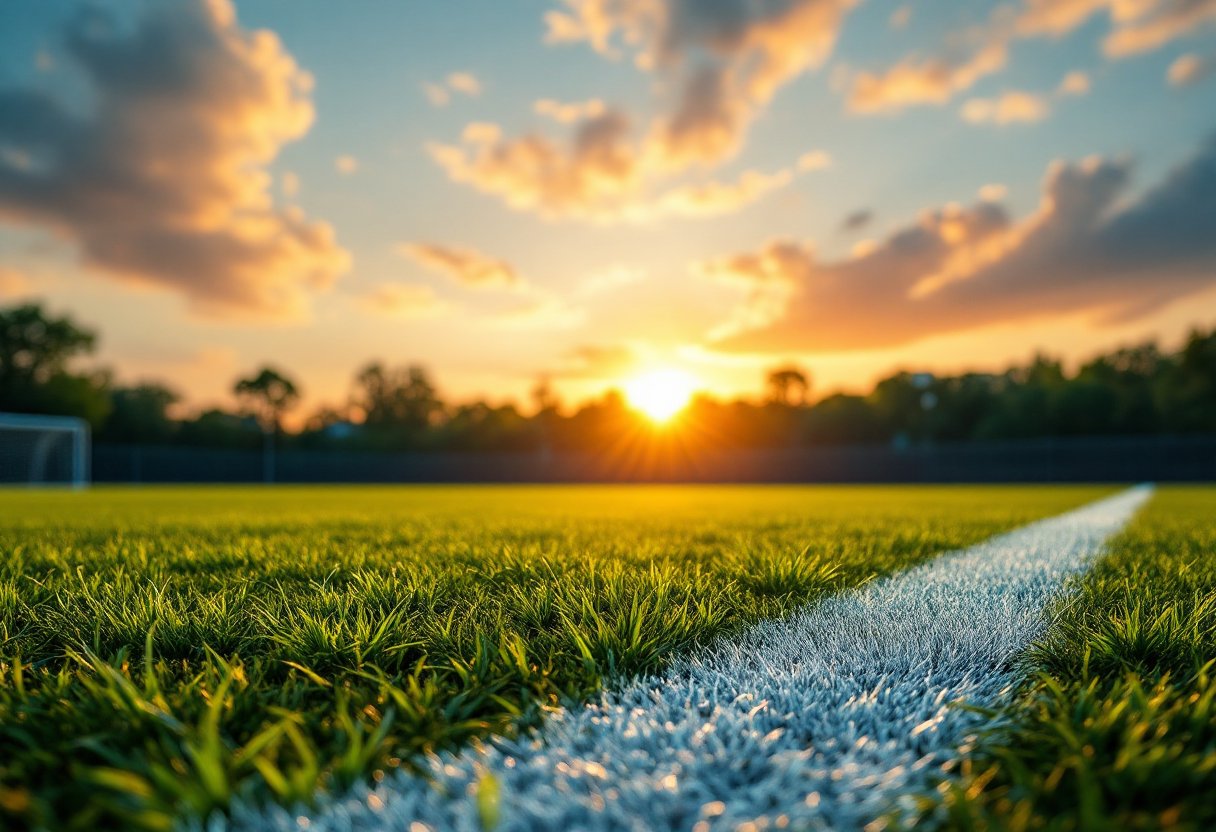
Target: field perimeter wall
x=1157 y=459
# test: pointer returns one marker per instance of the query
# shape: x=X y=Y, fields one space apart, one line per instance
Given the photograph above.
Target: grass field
x=1117 y=726
x=162 y=651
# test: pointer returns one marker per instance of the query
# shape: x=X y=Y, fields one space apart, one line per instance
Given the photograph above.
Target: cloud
x=597 y=361
x=597 y=176
x=1009 y=108
x=403 y=301
x=814 y=160
x=900 y=18
x=1017 y=106
x=770 y=279
x=536 y=307
x=1135 y=26
x=440 y=94
x=719 y=65
x=468 y=268
x=465 y=82
x=715 y=198
x=722 y=62
x=290 y=184
x=1190 y=69
x=437 y=94
x=1074 y=83
x=968 y=56
x=570 y=113
x=1084 y=251
x=161 y=181
x=857 y=220
x=540 y=311
x=993 y=192
x=346 y=165
x=612 y=278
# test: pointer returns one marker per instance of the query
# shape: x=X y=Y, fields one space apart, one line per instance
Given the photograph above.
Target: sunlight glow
x=661 y=393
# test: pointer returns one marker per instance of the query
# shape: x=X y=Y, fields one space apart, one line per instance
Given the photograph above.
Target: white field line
x=826 y=717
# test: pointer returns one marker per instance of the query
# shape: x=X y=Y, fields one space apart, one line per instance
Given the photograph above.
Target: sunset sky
x=589 y=189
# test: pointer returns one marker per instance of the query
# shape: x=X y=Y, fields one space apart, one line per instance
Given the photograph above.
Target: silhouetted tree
x=140 y=414
x=267 y=396
x=1188 y=390
x=401 y=398
x=218 y=429
x=843 y=419
x=788 y=386
x=34 y=351
x=543 y=396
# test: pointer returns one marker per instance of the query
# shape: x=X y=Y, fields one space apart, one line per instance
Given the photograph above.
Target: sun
x=661 y=393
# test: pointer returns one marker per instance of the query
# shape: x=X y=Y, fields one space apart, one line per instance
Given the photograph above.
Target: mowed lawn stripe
x=820 y=720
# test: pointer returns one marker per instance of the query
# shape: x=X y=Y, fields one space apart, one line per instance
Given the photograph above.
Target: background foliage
x=1134 y=391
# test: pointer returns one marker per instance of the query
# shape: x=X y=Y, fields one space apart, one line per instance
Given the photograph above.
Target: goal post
x=44 y=450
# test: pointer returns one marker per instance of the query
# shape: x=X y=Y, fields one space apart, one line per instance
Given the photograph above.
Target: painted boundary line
x=818 y=721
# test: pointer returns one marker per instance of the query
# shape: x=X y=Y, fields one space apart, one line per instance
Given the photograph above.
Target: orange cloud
x=437 y=94
x=1008 y=108
x=1017 y=106
x=597 y=361
x=814 y=160
x=1136 y=26
x=1083 y=252
x=609 y=279
x=440 y=95
x=770 y=278
x=466 y=267
x=540 y=311
x=405 y=301
x=599 y=175
x=714 y=198
x=163 y=181
x=595 y=176
x=935 y=80
x=720 y=64
x=1190 y=69
x=465 y=82
x=1074 y=83
x=570 y=113
x=723 y=61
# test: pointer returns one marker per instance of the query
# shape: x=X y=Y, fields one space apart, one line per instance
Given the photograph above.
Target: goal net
x=43 y=450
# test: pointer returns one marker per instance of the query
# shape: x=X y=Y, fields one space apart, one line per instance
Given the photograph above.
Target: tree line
x=1132 y=391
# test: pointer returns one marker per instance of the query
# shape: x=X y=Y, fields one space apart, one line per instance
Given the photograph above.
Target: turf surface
x=819 y=720
x=1117 y=729
x=164 y=650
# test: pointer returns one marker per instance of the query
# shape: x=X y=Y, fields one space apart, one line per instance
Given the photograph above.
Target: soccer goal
x=43 y=450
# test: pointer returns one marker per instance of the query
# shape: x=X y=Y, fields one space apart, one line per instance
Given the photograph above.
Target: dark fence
x=1157 y=459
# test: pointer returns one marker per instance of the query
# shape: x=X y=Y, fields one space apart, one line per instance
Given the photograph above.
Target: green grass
x=1118 y=729
x=162 y=651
